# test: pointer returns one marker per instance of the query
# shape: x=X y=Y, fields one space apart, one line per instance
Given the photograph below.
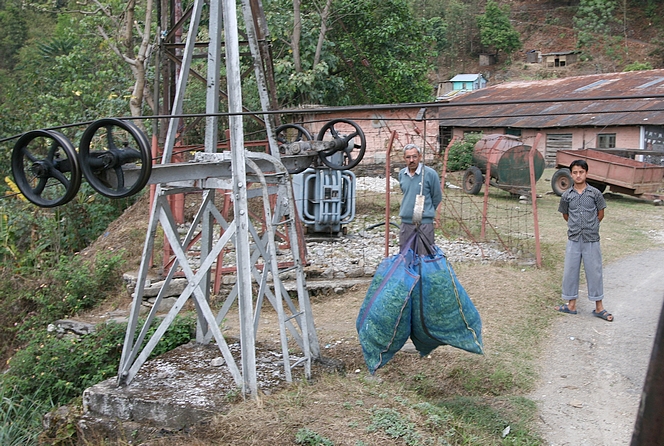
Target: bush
x=638 y=66
x=57 y=368
x=460 y=156
x=71 y=286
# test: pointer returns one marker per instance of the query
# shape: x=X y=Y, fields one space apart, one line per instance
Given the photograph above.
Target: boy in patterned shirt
x=583 y=207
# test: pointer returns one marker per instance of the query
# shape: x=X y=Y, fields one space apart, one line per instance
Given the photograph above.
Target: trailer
x=506 y=160
x=621 y=175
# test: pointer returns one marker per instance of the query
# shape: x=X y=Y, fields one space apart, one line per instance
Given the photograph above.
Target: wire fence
x=506 y=222
x=507 y=225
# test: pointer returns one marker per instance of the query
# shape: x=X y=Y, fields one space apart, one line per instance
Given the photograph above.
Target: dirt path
x=592 y=371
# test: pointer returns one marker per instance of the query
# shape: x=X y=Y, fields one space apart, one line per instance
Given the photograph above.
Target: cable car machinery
x=114 y=156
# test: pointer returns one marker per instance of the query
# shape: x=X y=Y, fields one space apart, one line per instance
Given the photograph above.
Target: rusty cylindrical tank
x=508 y=158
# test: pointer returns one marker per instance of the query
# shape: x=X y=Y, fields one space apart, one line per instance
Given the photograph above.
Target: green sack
x=383 y=324
x=443 y=314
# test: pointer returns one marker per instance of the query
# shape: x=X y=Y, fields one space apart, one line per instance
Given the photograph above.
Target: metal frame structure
x=255 y=253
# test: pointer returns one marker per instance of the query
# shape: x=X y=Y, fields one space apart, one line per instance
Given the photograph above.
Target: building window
x=513 y=132
x=606 y=141
x=445 y=136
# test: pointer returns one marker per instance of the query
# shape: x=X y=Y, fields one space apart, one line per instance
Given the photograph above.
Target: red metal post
x=443 y=173
x=487 y=182
x=393 y=136
x=533 y=195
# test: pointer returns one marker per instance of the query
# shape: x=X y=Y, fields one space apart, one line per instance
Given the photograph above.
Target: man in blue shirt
x=582 y=207
x=410 y=180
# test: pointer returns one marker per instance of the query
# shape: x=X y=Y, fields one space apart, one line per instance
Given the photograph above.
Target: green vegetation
x=479 y=419
x=57 y=367
x=394 y=425
x=308 y=437
x=496 y=31
x=593 y=19
x=20 y=417
x=460 y=155
x=638 y=66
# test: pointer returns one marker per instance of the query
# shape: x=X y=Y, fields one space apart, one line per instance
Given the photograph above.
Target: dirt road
x=592 y=371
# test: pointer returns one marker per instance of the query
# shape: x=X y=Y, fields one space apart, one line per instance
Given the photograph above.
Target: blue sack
x=443 y=314
x=383 y=324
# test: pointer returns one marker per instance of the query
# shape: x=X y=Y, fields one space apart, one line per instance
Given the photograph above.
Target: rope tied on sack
x=418 y=209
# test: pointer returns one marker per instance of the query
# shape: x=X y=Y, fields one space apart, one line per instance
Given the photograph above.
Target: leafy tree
x=496 y=31
x=385 y=52
x=128 y=30
x=461 y=34
x=593 y=17
x=303 y=63
x=13 y=33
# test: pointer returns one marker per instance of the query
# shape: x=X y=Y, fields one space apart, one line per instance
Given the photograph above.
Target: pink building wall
x=379 y=125
x=582 y=138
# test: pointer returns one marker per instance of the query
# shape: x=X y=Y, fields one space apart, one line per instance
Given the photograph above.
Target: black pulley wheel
x=115 y=157
x=290 y=133
x=473 y=180
x=46 y=168
x=348 y=144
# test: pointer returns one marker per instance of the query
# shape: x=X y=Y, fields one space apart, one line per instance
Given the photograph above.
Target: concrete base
x=177 y=390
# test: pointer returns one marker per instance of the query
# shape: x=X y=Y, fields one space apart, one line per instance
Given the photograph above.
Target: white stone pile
x=374 y=184
x=360 y=252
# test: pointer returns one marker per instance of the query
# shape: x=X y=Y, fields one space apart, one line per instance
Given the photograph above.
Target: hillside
x=548 y=26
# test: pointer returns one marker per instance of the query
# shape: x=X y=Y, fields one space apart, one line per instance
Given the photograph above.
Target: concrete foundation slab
x=172 y=392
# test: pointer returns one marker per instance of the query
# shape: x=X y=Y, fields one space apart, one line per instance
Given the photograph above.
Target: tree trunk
x=297 y=32
x=137 y=62
x=323 y=30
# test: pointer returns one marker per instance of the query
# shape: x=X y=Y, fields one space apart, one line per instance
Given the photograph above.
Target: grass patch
x=483 y=422
x=20 y=417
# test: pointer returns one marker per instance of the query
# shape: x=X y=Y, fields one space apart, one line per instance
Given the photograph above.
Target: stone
x=175 y=288
x=72 y=326
x=218 y=362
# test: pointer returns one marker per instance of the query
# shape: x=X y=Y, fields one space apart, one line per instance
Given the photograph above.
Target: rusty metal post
x=649 y=429
x=487 y=183
x=443 y=173
x=393 y=136
x=533 y=195
x=445 y=156
x=485 y=203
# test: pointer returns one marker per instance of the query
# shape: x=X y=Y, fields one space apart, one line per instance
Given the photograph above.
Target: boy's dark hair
x=581 y=163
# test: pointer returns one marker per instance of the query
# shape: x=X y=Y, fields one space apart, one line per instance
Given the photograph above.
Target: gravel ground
x=360 y=251
x=363 y=248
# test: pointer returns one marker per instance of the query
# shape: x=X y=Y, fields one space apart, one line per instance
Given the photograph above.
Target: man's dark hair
x=581 y=163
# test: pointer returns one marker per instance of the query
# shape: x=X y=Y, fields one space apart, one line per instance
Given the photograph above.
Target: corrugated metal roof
x=613 y=99
x=561 y=53
x=465 y=78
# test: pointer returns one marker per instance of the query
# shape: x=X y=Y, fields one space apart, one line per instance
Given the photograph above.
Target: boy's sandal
x=604 y=315
x=565 y=309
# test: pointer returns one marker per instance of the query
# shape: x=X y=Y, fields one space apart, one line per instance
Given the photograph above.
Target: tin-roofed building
x=605 y=111
x=468 y=82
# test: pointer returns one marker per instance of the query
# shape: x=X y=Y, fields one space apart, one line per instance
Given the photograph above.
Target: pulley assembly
x=48 y=170
x=114 y=157
x=340 y=145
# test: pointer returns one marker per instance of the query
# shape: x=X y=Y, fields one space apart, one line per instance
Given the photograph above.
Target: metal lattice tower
x=246 y=175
